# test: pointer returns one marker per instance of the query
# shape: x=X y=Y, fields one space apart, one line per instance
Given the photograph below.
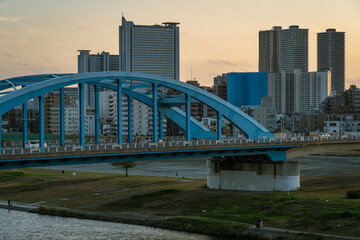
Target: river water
x=196 y=167
x=15 y=225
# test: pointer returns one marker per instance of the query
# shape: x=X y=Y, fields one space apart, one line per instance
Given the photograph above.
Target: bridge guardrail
x=109 y=144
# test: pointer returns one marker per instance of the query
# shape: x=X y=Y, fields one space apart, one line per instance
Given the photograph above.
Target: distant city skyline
x=43 y=36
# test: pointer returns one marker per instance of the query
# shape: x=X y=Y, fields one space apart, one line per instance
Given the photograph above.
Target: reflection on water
x=21 y=225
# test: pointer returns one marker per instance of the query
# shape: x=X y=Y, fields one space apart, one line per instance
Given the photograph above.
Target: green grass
x=7 y=176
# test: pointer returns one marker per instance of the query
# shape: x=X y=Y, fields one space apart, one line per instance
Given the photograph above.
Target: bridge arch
x=39 y=85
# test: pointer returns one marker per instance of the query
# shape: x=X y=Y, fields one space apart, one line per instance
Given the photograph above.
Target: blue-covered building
x=246 y=88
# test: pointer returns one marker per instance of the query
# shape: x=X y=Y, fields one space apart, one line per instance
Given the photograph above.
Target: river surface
x=15 y=225
x=196 y=167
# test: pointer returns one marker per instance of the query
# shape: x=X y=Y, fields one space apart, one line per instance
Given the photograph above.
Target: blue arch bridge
x=257 y=162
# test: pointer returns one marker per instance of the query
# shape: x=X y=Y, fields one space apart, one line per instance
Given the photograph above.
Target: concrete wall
x=280 y=176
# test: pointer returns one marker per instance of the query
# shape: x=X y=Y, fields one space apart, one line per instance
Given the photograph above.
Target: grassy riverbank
x=186 y=204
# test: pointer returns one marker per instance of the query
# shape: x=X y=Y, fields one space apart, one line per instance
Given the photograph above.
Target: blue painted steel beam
x=245 y=123
x=218 y=125
x=82 y=114
x=25 y=125
x=62 y=117
x=280 y=151
x=177 y=101
x=161 y=127
x=97 y=122
x=155 y=111
x=41 y=123
x=198 y=130
x=119 y=110
x=0 y=134
x=129 y=100
x=187 y=108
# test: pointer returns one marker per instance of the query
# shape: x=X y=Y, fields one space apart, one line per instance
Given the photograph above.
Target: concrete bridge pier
x=252 y=173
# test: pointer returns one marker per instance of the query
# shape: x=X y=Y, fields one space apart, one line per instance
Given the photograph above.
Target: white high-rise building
x=71 y=121
x=151 y=49
x=108 y=109
x=95 y=63
x=298 y=91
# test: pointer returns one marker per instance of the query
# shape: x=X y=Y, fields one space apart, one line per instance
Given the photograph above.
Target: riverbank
x=185 y=204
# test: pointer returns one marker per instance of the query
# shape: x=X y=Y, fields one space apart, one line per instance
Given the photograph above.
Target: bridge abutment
x=235 y=173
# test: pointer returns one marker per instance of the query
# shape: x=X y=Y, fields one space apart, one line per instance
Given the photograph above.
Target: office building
x=151 y=49
x=331 y=56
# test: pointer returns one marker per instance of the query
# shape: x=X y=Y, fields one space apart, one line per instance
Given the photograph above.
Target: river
x=196 y=167
x=15 y=225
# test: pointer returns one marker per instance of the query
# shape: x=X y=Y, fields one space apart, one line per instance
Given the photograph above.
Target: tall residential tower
x=331 y=56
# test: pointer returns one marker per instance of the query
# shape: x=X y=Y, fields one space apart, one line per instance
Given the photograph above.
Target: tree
x=124 y=165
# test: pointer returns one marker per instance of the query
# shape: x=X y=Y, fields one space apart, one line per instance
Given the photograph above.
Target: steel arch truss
x=142 y=87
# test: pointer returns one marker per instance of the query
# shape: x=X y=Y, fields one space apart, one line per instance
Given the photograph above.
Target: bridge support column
x=41 y=123
x=161 y=127
x=155 y=113
x=218 y=125
x=82 y=115
x=119 y=110
x=25 y=126
x=235 y=174
x=62 y=116
x=187 y=109
x=97 y=123
x=129 y=100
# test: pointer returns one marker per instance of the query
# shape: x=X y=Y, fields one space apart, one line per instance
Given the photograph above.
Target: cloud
x=223 y=62
x=35 y=31
x=186 y=33
x=87 y=27
x=10 y=55
x=2 y=5
x=7 y=19
x=206 y=42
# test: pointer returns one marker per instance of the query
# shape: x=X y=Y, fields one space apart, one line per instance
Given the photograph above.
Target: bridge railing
x=110 y=144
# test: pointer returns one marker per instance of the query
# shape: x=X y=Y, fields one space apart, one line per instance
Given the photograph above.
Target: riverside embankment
x=185 y=204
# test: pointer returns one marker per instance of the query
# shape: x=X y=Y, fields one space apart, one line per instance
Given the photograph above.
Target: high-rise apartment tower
x=331 y=56
x=283 y=49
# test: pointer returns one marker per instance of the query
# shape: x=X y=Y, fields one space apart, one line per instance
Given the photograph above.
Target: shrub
x=353 y=194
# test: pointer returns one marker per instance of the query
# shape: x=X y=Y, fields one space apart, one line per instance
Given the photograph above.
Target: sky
x=43 y=36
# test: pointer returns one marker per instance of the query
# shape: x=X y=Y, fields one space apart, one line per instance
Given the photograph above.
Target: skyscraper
x=283 y=49
x=331 y=56
x=293 y=49
x=152 y=49
x=269 y=50
x=149 y=49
